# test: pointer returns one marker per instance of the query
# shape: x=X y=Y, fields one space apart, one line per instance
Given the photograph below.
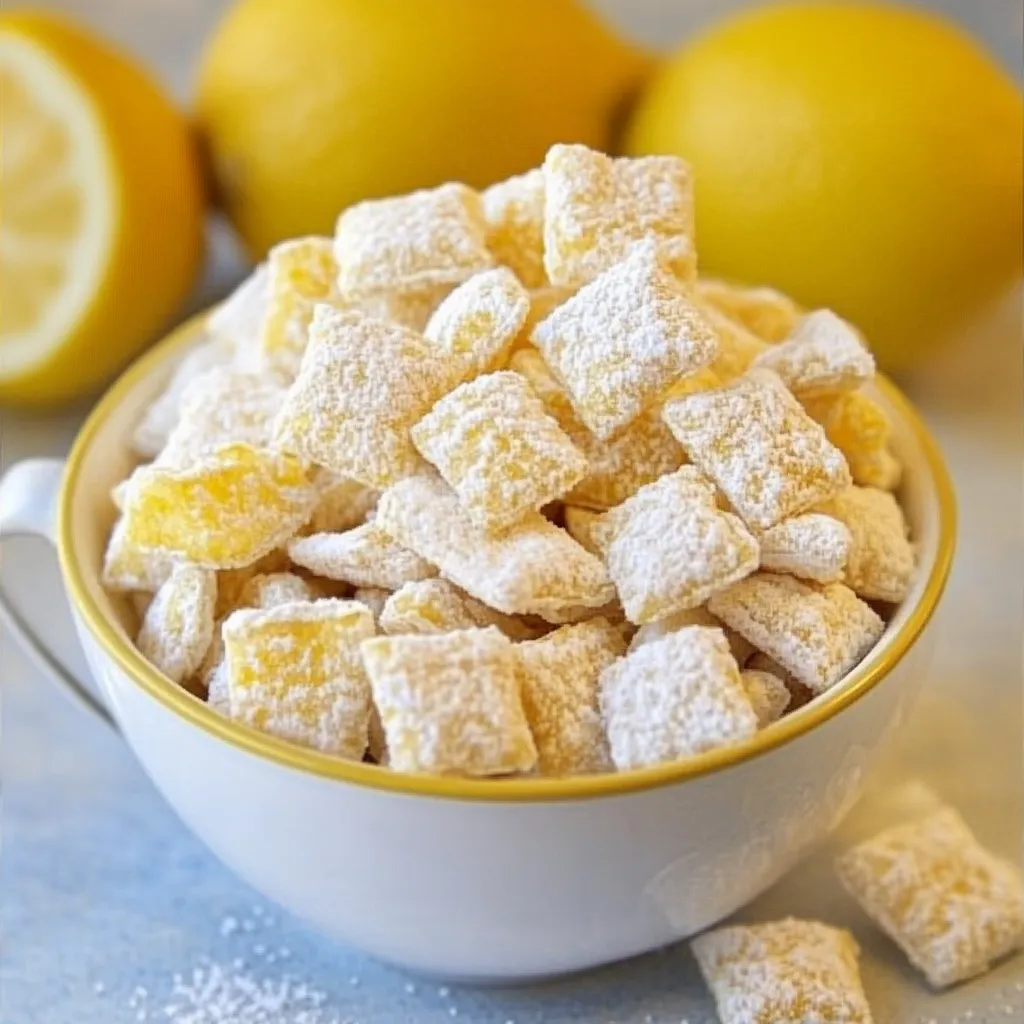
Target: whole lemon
x=857 y=156
x=310 y=105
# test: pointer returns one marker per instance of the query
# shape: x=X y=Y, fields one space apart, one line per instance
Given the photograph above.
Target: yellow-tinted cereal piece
x=584 y=526
x=365 y=557
x=475 y=326
x=178 y=626
x=128 y=566
x=427 y=607
x=880 y=566
x=232 y=583
x=342 y=504
x=514 y=214
x=812 y=546
x=238 y=320
x=621 y=340
x=816 y=633
x=362 y=385
x=224 y=511
x=450 y=703
x=823 y=355
x=765 y=311
x=295 y=671
x=411 y=242
x=412 y=309
x=543 y=301
x=669 y=547
x=738 y=349
x=783 y=972
x=952 y=906
x=699 y=616
x=268 y=590
x=767 y=456
x=596 y=206
x=674 y=697
x=535 y=568
x=300 y=273
x=768 y=694
x=560 y=676
x=495 y=444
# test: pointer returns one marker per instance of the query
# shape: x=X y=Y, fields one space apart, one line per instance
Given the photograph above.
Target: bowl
x=483 y=880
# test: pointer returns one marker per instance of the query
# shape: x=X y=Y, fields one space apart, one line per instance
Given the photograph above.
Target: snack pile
x=492 y=484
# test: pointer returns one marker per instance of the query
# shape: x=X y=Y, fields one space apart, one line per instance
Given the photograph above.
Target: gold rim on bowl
x=859 y=682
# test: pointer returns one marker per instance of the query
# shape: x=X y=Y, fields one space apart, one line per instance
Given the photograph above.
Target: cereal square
x=738 y=347
x=178 y=626
x=295 y=671
x=408 y=243
x=812 y=546
x=237 y=321
x=366 y=556
x=824 y=355
x=596 y=206
x=952 y=906
x=621 y=340
x=783 y=972
x=880 y=566
x=426 y=607
x=127 y=566
x=503 y=455
x=450 y=703
x=699 y=616
x=560 y=675
x=514 y=214
x=816 y=633
x=268 y=590
x=412 y=309
x=768 y=457
x=362 y=385
x=768 y=694
x=535 y=568
x=675 y=697
x=669 y=547
x=766 y=312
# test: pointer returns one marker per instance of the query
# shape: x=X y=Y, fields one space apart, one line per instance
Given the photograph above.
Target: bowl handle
x=28 y=507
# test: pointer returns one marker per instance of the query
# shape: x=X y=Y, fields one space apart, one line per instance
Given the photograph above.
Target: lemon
x=310 y=105
x=857 y=156
x=100 y=231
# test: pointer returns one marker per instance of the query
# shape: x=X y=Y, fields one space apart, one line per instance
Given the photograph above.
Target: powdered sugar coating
x=425 y=607
x=952 y=906
x=475 y=326
x=783 y=972
x=768 y=457
x=450 y=703
x=295 y=671
x=699 y=616
x=224 y=511
x=494 y=443
x=560 y=678
x=533 y=569
x=268 y=590
x=766 y=312
x=622 y=339
x=669 y=547
x=738 y=347
x=816 y=633
x=362 y=385
x=675 y=697
x=129 y=566
x=342 y=503
x=178 y=626
x=367 y=556
x=768 y=694
x=407 y=308
x=596 y=206
x=237 y=321
x=514 y=213
x=822 y=356
x=812 y=546
x=406 y=243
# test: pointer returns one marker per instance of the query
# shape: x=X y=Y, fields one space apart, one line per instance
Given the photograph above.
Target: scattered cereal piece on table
x=362 y=385
x=584 y=526
x=533 y=569
x=178 y=627
x=495 y=445
x=768 y=694
x=674 y=697
x=817 y=634
x=811 y=545
x=450 y=703
x=408 y=243
x=224 y=511
x=238 y=320
x=769 y=458
x=668 y=548
x=881 y=563
x=560 y=676
x=621 y=340
x=766 y=312
x=426 y=607
x=952 y=906
x=514 y=214
x=128 y=566
x=596 y=206
x=783 y=972
x=365 y=557
x=342 y=504
x=295 y=671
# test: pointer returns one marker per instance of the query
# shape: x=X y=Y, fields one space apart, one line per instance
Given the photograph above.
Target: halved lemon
x=101 y=207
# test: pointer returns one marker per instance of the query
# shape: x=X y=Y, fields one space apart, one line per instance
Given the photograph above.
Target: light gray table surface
x=105 y=897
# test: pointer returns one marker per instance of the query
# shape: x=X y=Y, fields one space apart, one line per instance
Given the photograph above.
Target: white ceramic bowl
x=471 y=879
